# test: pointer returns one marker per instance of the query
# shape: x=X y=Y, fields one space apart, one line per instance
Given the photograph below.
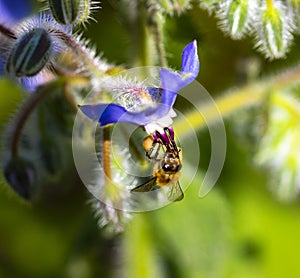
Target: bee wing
x=175 y=192
x=145 y=187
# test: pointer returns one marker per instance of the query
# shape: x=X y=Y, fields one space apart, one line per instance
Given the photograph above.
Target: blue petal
x=31 y=83
x=104 y=113
x=14 y=10
x=112 y=113
x=172 y=81
x=190 y=60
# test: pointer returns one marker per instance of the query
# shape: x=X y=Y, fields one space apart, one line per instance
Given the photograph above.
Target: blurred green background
x=239 y=229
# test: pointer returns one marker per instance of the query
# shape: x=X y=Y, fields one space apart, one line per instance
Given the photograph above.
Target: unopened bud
x=72 y=11
x=294 y=6
x=30 y=53
x=64 y=12
x=279 y=150
x=21 y=175
x=236 y=16
x=274 y=31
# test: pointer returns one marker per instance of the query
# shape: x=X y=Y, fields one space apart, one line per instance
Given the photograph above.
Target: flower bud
x=72 y=11
x=236 y=16
x=64 y=11
x=294 y=6
x=30 y=53
x=21 y=175
x=279 y=150
x=274 y=27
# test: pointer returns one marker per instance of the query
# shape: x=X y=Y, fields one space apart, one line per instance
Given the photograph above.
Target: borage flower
x=152 y=117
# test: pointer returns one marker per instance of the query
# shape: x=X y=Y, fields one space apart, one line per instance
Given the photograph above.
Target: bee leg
x=170 y=134
x=162 y=138
x=155 y=146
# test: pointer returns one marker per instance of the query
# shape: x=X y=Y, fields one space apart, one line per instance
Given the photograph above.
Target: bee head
x=171 y=163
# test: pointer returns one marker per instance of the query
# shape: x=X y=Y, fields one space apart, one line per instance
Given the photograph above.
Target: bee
x=166 y=171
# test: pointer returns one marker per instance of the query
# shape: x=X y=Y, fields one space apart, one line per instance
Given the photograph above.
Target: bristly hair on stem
x=155 y=22
x=91 y=64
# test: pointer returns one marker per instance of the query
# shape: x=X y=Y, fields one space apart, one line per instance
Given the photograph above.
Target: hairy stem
x=155 y=24
x=83 y=54
x=106 y=149
x=141 y=50
x=26 y=111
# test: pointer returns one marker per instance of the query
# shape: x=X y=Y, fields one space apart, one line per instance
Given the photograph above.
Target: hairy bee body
x=167 y=170
x=167 y=166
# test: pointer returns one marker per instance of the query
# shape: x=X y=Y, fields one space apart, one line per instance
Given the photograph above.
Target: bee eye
x=167 y=167
x=171 y=167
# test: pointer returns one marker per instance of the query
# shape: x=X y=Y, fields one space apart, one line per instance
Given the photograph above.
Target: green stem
x=106 y=152
x=238 y=99
x=141 y=51
x=82 y=53
x=26 y=111
x=156 y=27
